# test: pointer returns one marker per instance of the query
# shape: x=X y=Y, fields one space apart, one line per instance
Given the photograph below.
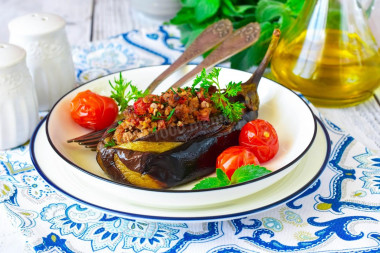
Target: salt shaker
x=18 y=100
x=49 y=57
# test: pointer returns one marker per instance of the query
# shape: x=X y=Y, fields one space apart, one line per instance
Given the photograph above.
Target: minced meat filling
x=172 y=108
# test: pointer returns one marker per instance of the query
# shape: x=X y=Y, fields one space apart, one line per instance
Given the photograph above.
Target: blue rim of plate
x=163 y=218
x=169 y=190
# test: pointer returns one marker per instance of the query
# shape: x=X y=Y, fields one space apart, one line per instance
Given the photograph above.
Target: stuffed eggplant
x=174 y=138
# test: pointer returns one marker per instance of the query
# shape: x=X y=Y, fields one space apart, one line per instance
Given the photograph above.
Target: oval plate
x=73 y=183
x=287 y=112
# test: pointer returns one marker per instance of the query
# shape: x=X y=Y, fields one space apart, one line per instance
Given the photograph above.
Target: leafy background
x=196 y=15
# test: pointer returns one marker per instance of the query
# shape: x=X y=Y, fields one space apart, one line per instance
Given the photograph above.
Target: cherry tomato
x=140 y=106
x=261 y=137
x=93 y=111
x=235 y=157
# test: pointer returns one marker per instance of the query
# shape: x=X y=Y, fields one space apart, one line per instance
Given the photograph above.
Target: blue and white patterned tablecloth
x=339 y=212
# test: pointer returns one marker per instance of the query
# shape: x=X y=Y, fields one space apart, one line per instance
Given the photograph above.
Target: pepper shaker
x=18 y=100
x=49 y=57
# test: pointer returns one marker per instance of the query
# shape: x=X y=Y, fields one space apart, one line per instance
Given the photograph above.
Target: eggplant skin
x=194 y=159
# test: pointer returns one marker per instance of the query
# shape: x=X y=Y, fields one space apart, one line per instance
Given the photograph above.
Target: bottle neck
x=344 y=15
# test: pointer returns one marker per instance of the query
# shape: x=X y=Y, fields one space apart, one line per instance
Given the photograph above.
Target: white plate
x=55 y=171
x=287 y=112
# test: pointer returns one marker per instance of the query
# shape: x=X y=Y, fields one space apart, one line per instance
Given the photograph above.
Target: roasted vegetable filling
x=172 y=108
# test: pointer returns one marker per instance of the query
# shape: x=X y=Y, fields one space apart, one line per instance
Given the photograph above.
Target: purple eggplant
x=180 y=154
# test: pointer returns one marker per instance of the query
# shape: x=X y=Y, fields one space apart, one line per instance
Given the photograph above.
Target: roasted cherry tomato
x=235 y=157
x=260 y=136
x=93 y=111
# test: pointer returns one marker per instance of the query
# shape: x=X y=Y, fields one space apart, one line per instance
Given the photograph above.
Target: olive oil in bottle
x=330 y=56
x=340 y=71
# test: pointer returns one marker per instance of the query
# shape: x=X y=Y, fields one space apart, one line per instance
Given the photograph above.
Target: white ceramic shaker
x=18 y=100
x=157 y=9
x=49 y=58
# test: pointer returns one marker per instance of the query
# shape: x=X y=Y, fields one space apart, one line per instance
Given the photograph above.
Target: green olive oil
x=330 y=67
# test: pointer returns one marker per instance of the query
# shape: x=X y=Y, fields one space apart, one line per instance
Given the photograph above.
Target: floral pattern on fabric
x=339 y=212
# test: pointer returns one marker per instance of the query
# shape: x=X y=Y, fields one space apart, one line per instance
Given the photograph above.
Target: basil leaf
x=220 y=180
x=295 y=6
x=223 y=178
x=243 y=8
x=231 y=10
x=208 y=183
x=248 y=172
x=206 y=9
x=196 y=15
x=254 y=54
x=189 y=34
x=189 y=3
x=269 y=10
x=182 y=16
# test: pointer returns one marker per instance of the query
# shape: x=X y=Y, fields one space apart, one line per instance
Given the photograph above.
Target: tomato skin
x=261 y=137
x=234 y=157
x=93 y=111
x=141 y=107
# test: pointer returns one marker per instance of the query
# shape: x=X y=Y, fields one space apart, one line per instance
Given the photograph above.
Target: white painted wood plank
x=111 y=17
x=114 y=17
x=361 y=121
x=76 y=13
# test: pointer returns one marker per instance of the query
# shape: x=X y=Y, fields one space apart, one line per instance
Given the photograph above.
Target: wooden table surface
x=91 y=20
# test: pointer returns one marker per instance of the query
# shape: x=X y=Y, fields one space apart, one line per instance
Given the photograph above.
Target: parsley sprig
x=122 y=95
x=232 y=111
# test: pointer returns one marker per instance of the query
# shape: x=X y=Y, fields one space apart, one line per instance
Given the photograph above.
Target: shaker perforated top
x=36 y=24
x=10 y=55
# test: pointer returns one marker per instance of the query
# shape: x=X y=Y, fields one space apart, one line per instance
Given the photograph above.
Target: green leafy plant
x=232 y=111
x=242 y=174
x=196 y=15
x=122 y=95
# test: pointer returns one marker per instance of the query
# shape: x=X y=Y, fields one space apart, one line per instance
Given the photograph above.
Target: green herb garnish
x=120 y=94
x=156 y=117
x=196 y=16
x=111 y=130
x=232 y=111
x=109 y=144
x=170 y=114
x=220 y=180
x=205 y=80
x=248 y=172
x=154 y=129
x=242 y=174
x=173 y=90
